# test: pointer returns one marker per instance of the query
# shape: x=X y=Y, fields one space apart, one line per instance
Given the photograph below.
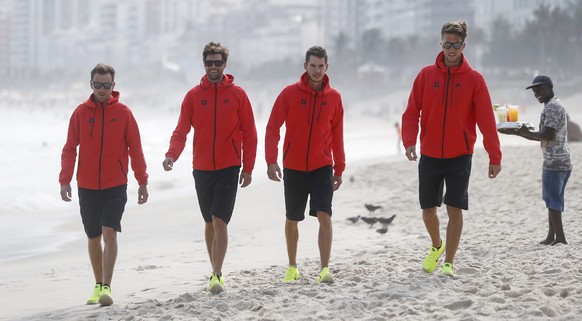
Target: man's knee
x=109 y=235
x=323 y=218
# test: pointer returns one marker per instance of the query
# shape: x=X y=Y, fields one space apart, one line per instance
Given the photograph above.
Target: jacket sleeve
x=69 y=153
x=249 y=133
x=178 y=139
x=486 y=122
x=272 y=132
x=138 y=163
x=411 y=115
x=337 y=129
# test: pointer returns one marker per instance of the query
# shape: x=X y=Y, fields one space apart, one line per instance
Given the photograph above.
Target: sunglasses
x=98 y=85
x=217 y=63
x=456 y=45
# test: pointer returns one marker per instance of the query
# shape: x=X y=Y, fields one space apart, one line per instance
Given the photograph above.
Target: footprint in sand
x=459 y=305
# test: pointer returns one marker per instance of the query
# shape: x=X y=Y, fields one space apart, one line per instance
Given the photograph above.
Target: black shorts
x=101 y=208
x=317 y=184
x=454 y=172
x=216 y=192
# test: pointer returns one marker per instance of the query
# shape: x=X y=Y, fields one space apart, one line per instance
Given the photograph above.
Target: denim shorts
x=553 y=186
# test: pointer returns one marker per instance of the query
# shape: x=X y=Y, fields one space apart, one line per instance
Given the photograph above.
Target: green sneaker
x=216 y=284
x=94 y=298
x=325 y=276
x=291 y=275
x=105 y=298
x=432 y=259
x=447 y=269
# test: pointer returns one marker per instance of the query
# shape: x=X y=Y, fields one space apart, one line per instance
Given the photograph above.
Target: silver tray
x=515 y=125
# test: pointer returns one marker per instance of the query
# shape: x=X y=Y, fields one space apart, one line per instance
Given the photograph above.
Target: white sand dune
x=502 y=272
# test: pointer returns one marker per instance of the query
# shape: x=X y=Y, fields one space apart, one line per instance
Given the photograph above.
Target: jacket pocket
x=286 y=151
x=235 y=149
x=466 y=140
x=121 y=167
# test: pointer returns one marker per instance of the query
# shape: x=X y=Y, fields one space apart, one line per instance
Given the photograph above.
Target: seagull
x=369 y=220
x=372 y=208
x=386 y=220
x=382 y=230
x=354 y=219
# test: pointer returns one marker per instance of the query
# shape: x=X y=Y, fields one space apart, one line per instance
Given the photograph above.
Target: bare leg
x=209 y=238
x=219 y=245
x=551 y=232
x=454 y=229
x=292 y=237
x=109 y=253
x=432 y=224
x=96 y=257
x=325 y=237
x=556 y=218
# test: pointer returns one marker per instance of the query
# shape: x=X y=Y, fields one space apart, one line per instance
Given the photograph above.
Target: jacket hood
x=113 y=99
x=227 y=81
x=463 y=67
x=303 y=83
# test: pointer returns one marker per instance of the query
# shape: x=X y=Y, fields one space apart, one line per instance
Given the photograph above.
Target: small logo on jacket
x=204 y=102
x=436 y=84
x=113 y=120
x=324 y=103
x=226 y=101
x=91 y=120
x=457 y=85
x=303 y=101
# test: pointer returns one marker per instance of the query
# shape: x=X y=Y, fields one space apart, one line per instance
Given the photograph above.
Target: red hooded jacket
x=224 y=126
x=106 y=134
x=314 y=128
x=450 y=101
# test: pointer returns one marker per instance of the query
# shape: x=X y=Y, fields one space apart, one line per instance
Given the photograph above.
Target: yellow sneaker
x=291 y=275
x=94 y=298
x=216 y=284
x=447 y=269
x=105 y=298
x=325 y=276
x=432 y=259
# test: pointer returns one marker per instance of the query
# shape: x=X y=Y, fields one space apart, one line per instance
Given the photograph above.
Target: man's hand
x=142 y=194
x=168 y=164
x=494 y=170
x=274 y=172
x=337 y=182
x=66 y=192
x=245 y=179
x=411 y=153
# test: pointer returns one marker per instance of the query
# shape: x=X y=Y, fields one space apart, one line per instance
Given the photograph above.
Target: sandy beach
x=162 y=270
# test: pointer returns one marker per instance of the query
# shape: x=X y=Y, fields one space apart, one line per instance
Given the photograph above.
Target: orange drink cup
x=512 y=113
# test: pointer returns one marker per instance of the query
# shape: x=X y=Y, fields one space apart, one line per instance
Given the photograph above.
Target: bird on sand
x=372 y=208
x=386 y=220
x=354 y=219
x=382 y=230
x=370 y=220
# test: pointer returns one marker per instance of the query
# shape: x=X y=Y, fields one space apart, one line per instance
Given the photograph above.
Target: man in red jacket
x=224 y=136
x=313 y=155
x=106 y=134
x=450 y=98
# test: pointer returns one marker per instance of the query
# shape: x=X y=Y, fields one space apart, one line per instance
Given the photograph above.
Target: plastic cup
x=512 y=113
x=501 y=114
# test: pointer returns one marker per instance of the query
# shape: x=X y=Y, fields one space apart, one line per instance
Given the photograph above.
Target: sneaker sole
x=91 y=302
x=105 y=300
x=326 y=279
x=215 y=288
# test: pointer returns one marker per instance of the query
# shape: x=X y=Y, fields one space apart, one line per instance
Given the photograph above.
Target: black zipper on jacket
x=102 y=140
x=448 y=78
x=310 y=131
x=214 y=142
